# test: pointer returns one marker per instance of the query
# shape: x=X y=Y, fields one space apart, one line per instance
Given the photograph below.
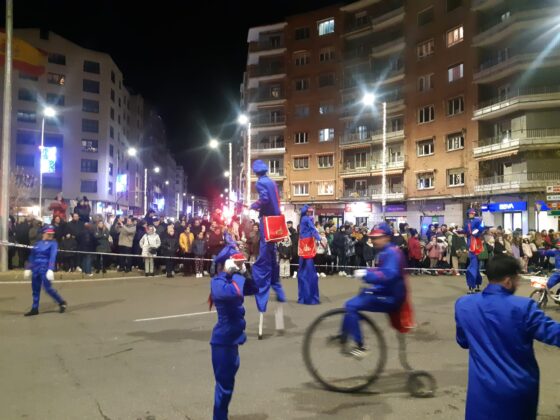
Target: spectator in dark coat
x=22 y=237
x=86 y=244
x=103 y=241
x=83 y=209
x=169 y=248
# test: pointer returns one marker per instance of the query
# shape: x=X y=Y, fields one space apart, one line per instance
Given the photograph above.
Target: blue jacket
x=306 y=227
x=553 y=253
x=268 y=203
x=388 y=277
x=498 y=328
x=43 y=256
x=227 y=293
x=472 y=225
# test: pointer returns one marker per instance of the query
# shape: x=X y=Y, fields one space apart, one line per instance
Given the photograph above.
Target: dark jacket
x=169 y=244
x=199 y=247
x=102 y=243
x=368 y=252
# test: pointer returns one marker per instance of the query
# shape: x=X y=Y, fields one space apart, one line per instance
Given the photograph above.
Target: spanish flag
x=25 y=57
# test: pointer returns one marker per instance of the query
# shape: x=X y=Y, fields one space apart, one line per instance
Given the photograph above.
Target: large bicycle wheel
x=329 y=360
x=539 y=296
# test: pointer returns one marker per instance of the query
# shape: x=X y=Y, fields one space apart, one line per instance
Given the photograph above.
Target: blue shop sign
x=511 y=206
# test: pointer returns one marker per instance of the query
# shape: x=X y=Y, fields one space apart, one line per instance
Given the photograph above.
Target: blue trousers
x=225 y=362
x=266 y=273
x=308 y=283
x=365 y=301
x=473 y=272
x=40 y=278
x=553 y=280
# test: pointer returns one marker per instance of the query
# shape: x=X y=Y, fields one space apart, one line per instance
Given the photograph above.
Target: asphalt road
x=98 y=361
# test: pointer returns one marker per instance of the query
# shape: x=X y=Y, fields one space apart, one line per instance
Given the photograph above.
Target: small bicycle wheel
x=329 y=360
x=421 y=384
x=539 y=296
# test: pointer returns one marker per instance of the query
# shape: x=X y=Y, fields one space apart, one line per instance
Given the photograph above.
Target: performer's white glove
x=474 y=232
x=243 y=269
x=50 y=275
x=230 y=266
x=360 y=273
x=27 y=274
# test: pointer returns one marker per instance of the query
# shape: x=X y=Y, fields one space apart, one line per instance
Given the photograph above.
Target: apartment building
x=470 y=92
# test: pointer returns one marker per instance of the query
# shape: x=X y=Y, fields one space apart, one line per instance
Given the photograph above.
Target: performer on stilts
x=308 y=280
x=474 y=228
x=266 y=271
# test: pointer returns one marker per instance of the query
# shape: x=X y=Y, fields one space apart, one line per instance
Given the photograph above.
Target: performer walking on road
x=308 y=282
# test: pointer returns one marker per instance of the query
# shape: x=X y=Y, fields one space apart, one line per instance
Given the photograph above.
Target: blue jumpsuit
x=42 y=259
x=387 y=294
x=498 y=328
x=474 y=278
x=227 y=251
x=227 y=291
x=554 y=279
x=308 y=282
x=266 y=271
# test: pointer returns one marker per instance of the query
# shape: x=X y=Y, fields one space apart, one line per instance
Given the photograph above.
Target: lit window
x=326 y=108
x=90 y=146
x=326 y=27
x=454 y=36
x=326 y=134
x=455 y=72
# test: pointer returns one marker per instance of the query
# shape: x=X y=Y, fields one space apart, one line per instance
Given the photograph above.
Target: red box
x=307 y=248
x=275 y=228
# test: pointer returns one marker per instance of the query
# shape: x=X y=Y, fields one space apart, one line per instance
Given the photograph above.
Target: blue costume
x=387 y=294
x=227 y=251
x=308 y=282
x=266 y=271
x=473 y=229
x=227 y=291
x=498 y=328
x=42 y=259
x=554 y=279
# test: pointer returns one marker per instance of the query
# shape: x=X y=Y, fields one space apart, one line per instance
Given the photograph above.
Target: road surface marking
x=175 y=316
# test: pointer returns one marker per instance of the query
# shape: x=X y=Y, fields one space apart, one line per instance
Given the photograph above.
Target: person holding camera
x=150 y=243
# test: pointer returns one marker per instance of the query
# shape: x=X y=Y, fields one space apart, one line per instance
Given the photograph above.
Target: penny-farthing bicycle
x=331 y=362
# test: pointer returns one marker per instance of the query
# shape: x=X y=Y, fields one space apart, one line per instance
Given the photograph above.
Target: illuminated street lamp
x=156 y=170
x=166 y=182
x=226 y=174
x=48 y=112
x=131 y=152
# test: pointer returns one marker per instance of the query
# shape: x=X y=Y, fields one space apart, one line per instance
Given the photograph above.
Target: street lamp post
x=214 y=144
x=369 y=100
x=244 y=120
x=156 y=170
x=47 y=112
x=192 y=206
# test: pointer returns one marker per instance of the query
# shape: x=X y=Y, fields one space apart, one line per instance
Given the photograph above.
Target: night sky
x=167 y=55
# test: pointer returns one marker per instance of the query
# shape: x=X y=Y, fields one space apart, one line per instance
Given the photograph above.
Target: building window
x=326 y=27
x=112 y=95
x=326 y=54
x=88 y=165
x=25 y=76
x=326 y=134
x=302 y=111
x=325 y=188
x=92 y=67
x=426 y=114
x=326 y=80
x=112 y=76
x=110 y=188
x=452 y=5
x=455 y=73
x=27 y=116
x=90 y=146
x=425 y=147
x=110 y=169
x=425 y=181
x=56 y=120
x=55 y=58
x=302 y=84
x=111 y=150
x=455 y=105
x=90 y=126
x=89 y=105
x=301 y=33
x=301 y=137
x=426 y=82
x=454 y=36
x=118 y=119
x=301 y=189
x=88 y=186
x=111 y=132
x=56 y=79
x=119 y=102
x=27 y=137
x=112 y=114
x=27 y=95
x=27 y=160
x=52 y=182
x=326 y=108
x=425 y=49
x=455 y=177
x=91 y=86
x=455 y=141
x=54 y=140
x=54 y=99
x=325 y=161
x=301 y=162
x=426 y=16
x=301 y=59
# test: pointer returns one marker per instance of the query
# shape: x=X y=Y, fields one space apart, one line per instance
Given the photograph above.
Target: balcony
x=266 y=95
x=268 y=148
x=389 y=47
x=516 y=141
x=393 y=165
x=275 y=173
x=388 y=19
x=373 y=192
x=268 y=120
x=517 y=182
x=371 y=167
x=507 y=24
x=261 y=46
x=521 y=99
x=501 y=67
x=351 y=167
x=479 y=5
x=266 y=71
x=389 y=76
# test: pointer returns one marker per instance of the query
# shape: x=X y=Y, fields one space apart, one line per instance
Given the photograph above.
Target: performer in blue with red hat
x=554 y=278
x=308 y=281
x=227 y=291
x=266 y=271
x=387 y=292
x=474 y=228
x=40 y=267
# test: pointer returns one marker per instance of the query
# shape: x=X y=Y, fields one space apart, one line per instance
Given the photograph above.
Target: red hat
x=238 y=257
x=382 y=229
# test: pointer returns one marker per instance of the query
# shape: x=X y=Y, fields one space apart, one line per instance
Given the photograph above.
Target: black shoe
x=96 y=271
x=470 y=292
x=32 y=312
x=169 y=275
x=147 y=274
x=62 y=307
x=477 y=289
x=104 y=271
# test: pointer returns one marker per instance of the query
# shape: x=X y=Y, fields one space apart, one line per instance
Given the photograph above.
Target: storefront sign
x=359 y=207
x=553 y=189
x=329 y=211
x=511 y=206
x=553 y=197
x=395 y=208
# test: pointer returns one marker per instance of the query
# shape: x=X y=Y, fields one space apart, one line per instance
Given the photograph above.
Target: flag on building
x=25 y=57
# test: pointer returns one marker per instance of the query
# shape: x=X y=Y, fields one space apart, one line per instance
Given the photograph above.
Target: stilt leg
x=279 y=318
x=261 y=320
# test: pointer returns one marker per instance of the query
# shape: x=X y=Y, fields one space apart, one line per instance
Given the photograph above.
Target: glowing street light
x=226 y=174
x=166 y=182
x=244 y=120
x=48 y=112
x=214 y=143
x=131 y=151
x=156 y=169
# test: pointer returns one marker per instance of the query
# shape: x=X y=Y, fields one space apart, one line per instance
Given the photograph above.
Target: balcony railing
x=396 y=163
x=264 y=95
x=501 y=63
x=355 y=167
x=514 y=97
x=266 y=70
x=394 y=44
x=262 y=120
x=373 y=163
x=517 y=181
x=268 y=147
x=266 y=45
x=370 y=136
x=517 y=135
x=374 y=192
x=380 y=20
